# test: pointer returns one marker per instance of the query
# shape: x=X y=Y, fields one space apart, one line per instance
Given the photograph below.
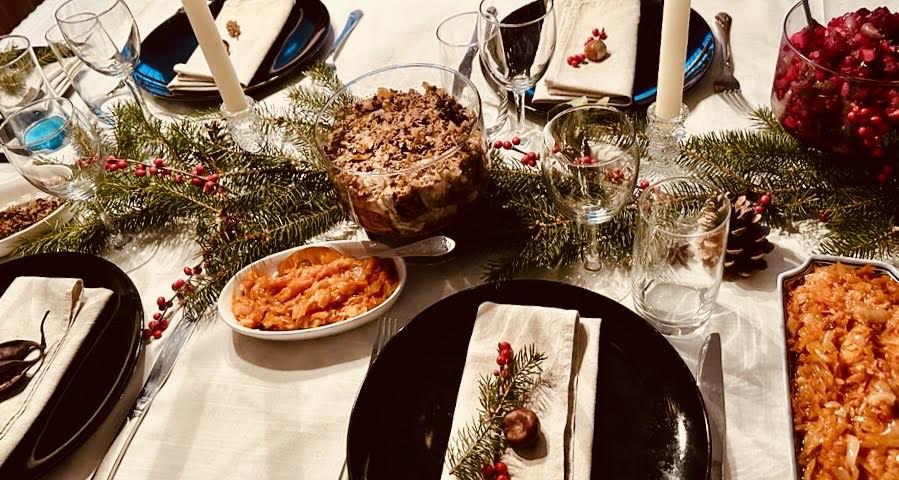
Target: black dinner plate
x=700 y=52
x=302 y=39
x=650 y=422
x=98 y=374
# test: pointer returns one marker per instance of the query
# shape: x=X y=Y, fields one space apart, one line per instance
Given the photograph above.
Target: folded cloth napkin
x=73 y=310
x=565 y=400
x=612 y=77
x=259 y=23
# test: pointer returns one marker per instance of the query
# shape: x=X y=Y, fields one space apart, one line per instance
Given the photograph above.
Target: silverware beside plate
x=711 y=384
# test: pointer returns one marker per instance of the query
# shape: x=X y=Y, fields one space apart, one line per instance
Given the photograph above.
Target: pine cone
x=747 y=241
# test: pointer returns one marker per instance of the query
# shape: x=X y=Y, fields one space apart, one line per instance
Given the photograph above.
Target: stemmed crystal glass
x=56 y=149
x=516 y=39
x=590 y=165
x=104 y=35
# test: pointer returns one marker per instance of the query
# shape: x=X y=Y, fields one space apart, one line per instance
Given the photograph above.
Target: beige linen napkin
x=260 y=22
x=614 y=76
x=566 y=398
x=73 y=310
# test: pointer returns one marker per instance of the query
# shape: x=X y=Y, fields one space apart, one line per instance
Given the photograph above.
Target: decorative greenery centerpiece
x=243 y=206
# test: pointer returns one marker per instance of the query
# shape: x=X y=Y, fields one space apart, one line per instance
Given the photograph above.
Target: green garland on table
x=280 y=197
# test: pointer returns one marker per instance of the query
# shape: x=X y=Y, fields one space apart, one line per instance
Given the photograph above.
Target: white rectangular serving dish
x=786 y=281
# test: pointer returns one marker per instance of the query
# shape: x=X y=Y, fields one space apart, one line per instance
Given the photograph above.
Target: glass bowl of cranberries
x=836 y=86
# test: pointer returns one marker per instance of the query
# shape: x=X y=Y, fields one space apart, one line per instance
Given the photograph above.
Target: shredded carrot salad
x=843 y=338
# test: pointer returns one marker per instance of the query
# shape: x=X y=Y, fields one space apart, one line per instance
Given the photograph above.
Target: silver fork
x=351 y=22
x=726 y=84
x=387 y=328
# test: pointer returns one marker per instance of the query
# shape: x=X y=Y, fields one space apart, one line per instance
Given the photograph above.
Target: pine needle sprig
x=482 y=441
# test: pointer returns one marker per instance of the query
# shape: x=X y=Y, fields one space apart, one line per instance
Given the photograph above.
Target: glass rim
x=45 y=137
x=490 y=18
x=454 y=17
x=21 y=54
x=319 y=127
x=91 y=15
x=720 y=226
x=630 y=126
x=797 y=7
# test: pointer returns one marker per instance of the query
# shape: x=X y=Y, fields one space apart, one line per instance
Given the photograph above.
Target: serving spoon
x=429 y=247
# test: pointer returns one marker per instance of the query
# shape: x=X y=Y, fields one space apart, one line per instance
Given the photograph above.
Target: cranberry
x=498 y=144
x=160 y=302
x=504 y=346
x=516 y=140
x=153 y=325
x=500 y=359
x=157 y=334
x=502 y=477
x=188 y=271
x=501 y=468
x=158 y=162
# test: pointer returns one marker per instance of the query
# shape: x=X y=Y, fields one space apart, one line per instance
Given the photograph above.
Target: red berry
x=505 y=374
x=179 y=178
x=759 y=209
x=163 y=324
x=153 y=170
x=502 y=477
x=158 y=162
x=644 y=184
x=160 y=301
x=212 y=178
x=603 y=35
x=153 y=325
x=147 y=334
x=500 y=360
x=199 y=169
x=516 y=140
x=157 y=334
x=157 y=316
x=765 y=200
x=882 y=177
x=487 y=470
x=823 y=216
x=198 y=270
x=122 y=164
x=188 y=271
x=496 y=373
x=595 y=32
x=169 y=304
x=140 y=172
x=196 y=181
x=178 y=284
x=501 y=468
x=498 y=144
x=209 y=187
x=507 y=145
x=504 y=346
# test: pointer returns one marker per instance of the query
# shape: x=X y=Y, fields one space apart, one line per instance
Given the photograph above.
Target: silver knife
x=158 y=375
x=711 y=384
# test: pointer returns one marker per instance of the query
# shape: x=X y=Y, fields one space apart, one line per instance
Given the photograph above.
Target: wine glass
x=590 y=165
x=57 y=150
x=516 y=39
x=104 y=35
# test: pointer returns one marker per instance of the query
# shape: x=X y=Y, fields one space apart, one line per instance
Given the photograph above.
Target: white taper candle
x=216 y=56
x=672 y=56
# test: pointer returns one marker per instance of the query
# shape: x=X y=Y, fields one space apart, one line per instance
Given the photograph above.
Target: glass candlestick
x=246 y=126
x=665 y=138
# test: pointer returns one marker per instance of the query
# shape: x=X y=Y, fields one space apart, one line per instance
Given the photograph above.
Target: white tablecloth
x=239 y=408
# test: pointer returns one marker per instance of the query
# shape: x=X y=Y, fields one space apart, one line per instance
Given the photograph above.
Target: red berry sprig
x=162 y=318
x=199 y=177
x=644 y=184
x=578 y=59
x=762 y=205
x=528 y=158
x=497 y=471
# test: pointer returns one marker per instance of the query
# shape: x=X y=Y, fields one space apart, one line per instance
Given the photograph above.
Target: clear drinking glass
x=678 y=260
x=457 y=48
x=517 y=39
x=101 y=93
x=21 y=79
x=590 y=165
x=53 y=147
x=104 y=35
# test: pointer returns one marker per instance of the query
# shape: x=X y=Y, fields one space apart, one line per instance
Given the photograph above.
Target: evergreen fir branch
x=483 y=441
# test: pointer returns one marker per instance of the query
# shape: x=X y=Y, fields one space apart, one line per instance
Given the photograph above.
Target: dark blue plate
x=700 y=53
x=650 y=418
x=98 y=374
x=303 y=39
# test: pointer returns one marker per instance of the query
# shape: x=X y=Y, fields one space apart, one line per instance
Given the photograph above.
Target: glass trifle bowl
x=407 y=158
x=836 y=85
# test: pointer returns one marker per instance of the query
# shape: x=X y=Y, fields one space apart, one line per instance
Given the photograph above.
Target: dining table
x=236 y=407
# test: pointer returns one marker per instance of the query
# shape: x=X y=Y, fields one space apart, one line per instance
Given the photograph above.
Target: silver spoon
x=351 y=22
x=429 y=247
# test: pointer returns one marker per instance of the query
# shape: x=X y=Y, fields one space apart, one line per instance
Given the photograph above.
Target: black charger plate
x=650 y=424
x=302 y=39
x=97 y=376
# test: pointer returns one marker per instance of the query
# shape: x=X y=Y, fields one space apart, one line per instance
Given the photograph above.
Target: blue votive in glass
x=46 y=134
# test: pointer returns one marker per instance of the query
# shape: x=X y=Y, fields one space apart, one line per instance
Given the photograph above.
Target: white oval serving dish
x=16 y=191
x=269 y=265
x=787 y=281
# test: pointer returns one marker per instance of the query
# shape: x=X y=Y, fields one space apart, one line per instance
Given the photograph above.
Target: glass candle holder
x=21 y=79
x=665 y=137
x=679 y=247
x=246 y=127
